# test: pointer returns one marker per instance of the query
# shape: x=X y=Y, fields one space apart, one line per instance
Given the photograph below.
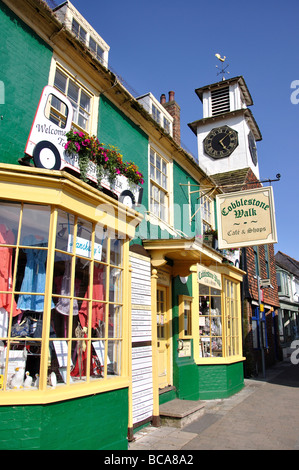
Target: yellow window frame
x=62 y=191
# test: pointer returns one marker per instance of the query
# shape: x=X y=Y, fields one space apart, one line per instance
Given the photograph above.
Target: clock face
x=252 y=148
x=221 y=142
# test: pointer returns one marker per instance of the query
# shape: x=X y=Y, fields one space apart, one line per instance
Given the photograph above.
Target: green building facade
x=171 y=246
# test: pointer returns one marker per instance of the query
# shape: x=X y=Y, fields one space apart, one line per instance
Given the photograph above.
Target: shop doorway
x=163 y=337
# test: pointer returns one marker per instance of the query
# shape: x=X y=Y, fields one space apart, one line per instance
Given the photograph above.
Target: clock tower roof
x=236 y=80
x=194 y=126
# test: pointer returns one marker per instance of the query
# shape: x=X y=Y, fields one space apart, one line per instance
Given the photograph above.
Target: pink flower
x=67 y=145
x=118 y=171
x=81 y=134
x=106 y=159
x=77 y=146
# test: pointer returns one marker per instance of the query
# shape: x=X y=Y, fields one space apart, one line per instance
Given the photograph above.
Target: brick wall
x=175 y=111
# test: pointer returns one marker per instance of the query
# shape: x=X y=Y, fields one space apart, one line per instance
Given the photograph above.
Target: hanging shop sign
x=246 y=218
x=208 y=277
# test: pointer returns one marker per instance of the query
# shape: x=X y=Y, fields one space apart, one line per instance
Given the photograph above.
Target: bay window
x=220 y=333
x=61 y=299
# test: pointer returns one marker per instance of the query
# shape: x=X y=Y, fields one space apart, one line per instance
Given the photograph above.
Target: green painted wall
x=25 y=65
x=185 y=371
x=118 y=130
x=220 y=381
x=181 y=201
x=98 y=422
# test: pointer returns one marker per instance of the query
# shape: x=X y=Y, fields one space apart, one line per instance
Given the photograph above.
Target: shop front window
x=210 y=322
x=61 y=292
x=232 y=333
x=219 y=321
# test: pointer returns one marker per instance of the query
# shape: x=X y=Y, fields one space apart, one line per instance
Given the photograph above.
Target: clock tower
x=227 y=133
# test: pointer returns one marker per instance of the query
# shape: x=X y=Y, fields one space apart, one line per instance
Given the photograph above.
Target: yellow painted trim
x=230 y=271
x=60 y=190
x=22 y=397
x=235 y=275
x=39 y=186
x=127 y=329
x=182 y=299
x=154 y=279
x=195 y=313
x=219 y=360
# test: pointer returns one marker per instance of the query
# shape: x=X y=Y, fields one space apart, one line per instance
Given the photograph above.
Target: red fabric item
x=7 y=237
x=98 y=308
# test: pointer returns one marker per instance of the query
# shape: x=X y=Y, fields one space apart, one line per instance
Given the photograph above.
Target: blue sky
x=165 y=45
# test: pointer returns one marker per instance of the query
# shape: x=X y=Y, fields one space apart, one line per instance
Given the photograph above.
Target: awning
x=184 y=252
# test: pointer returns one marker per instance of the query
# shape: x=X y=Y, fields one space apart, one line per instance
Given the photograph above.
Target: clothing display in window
x=63 y=285
x=6 y=237
x=98 y=308
x=34 y=276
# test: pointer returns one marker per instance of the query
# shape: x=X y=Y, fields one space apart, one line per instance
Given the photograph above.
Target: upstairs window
x=79 y=32
x=283 y=282
x=79 y=97
x=156 y=114
x=267 y=262
x=166 y=125
x=256 y=260
x=159 y=196
x=207 y=213
x=96 y=49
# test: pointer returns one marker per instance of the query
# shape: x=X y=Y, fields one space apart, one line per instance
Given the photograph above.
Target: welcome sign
x=246 y=218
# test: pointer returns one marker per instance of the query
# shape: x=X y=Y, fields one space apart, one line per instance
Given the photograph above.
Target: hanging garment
x=64 y=288
x=34 y=279
x=98 y=308
x=6 y=236
x=79 y=370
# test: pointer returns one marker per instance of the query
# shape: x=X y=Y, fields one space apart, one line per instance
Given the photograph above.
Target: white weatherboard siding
x=142 y=370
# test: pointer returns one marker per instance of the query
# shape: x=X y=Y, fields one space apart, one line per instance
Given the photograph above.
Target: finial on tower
x=223 y=70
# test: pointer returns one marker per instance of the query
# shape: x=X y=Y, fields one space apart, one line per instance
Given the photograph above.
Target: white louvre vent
x=220 y=101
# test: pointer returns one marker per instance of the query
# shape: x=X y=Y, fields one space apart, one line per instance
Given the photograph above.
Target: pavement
x=264 y=415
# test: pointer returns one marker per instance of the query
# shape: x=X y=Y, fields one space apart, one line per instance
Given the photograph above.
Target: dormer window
x=220 y=101
x=96 y=49
x=75 y=22
x=79 y=32
x=156 y=114
x=166 y=125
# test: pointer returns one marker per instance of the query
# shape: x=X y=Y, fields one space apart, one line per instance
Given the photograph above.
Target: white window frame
x=207 y=213
x=79 y=34
x=79 y=81
x=161 y=188
x=156 y=114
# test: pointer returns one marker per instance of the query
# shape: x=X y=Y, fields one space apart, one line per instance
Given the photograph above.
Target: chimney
x=171 y=95
x=174 y=110
x=163 y=99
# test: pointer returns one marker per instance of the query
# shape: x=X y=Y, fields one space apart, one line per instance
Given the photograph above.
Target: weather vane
x=223 y=70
